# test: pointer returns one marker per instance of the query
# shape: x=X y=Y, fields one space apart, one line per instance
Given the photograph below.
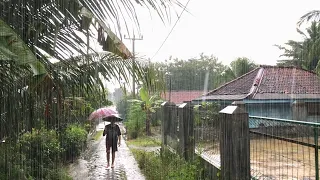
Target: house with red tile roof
x=179 y=97
x=271 y=91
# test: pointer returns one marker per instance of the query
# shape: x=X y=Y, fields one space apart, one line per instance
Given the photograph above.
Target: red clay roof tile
x=277 y=80
x=179 y=97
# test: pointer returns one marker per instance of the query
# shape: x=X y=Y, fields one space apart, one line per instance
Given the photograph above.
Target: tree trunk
x=148 y=130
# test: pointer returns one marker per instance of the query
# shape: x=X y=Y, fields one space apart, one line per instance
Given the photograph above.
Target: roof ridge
x=289 y=67
x=225 y=84
x=258 y=85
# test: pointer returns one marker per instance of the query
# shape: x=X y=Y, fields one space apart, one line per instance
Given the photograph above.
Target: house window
x=313 y=108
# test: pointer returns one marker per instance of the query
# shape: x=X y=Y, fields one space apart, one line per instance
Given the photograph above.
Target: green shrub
x=36 y=155
x=135 y=121
x=73 y=140
x=41 y=150
x=166 y=166
x=10 y=161
x=59 y=174
x=88 y=126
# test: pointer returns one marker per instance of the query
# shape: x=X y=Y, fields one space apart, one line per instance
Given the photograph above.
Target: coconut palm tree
x=310 y=16
x=38 y=31
x=305 y=53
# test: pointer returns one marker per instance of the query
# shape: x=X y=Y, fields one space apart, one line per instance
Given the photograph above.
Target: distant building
x=269 y=91
x=179 y=97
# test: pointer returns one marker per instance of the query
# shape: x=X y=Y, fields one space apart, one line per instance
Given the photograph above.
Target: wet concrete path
x=93 y=165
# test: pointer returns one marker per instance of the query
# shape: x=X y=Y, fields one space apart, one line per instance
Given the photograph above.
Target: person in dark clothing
x=113 y=137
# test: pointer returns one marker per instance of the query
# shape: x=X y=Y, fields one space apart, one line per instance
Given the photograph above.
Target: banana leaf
x=13 y=48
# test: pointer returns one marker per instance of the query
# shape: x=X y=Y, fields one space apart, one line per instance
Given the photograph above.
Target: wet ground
x=93 y=164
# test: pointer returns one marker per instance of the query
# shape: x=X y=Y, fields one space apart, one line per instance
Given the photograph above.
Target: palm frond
x=310 y=16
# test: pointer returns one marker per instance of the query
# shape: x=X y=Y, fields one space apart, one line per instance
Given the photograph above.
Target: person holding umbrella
x=113 y=137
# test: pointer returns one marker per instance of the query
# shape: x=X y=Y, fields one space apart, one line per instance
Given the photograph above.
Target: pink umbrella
x=102 y=113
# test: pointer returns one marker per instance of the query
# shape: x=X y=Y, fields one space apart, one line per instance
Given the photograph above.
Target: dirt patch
x=276 y=159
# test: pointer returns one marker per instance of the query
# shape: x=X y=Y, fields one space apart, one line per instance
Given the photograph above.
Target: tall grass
x=166 y=165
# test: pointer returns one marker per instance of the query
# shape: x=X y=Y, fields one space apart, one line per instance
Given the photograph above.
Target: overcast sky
x=227 y=29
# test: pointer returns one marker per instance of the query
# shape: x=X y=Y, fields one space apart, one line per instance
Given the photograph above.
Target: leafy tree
x=135 y=119
x=122 y=107
x=241 y=66
x=305 y=53
x=191 y=74
x=227 y=75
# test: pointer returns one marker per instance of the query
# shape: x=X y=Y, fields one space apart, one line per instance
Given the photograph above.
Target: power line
x=171 y=29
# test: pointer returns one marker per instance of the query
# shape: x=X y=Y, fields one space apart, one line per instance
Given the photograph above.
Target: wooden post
x=165 y=120
x=234 y=143
x=186 y=135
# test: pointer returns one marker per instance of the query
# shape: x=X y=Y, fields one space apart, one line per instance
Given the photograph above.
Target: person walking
x=113 y=139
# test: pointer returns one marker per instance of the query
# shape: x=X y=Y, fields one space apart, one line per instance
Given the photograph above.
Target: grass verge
x=144 y=141
x=98 y=135
x=166 y=166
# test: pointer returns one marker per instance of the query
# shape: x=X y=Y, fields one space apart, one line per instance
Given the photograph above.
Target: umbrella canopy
x=102 y=113
x=114 y=117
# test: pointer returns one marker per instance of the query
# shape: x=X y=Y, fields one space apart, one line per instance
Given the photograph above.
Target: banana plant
x=12 y=48
x=149 y=104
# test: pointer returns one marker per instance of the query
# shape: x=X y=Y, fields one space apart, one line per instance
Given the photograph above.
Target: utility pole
x=133 y=60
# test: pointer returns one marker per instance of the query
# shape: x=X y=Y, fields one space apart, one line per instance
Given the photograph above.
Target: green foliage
x=135 y=120
x=99 y=98
x=13 y=48
x=42 y=145
x=311 y=16
x=10 y=161
x=98 y=135
x=41 y=150
x=166 y=166
x=153 y=79
x=207 y=113
x=73 y=140
x=88 y=126
x=305 y=53
x=123 y=107
x=191 y=74
x=144 y=141
x=38 y=153
x=241 y=66
x=145 y=96
x=149 y=103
